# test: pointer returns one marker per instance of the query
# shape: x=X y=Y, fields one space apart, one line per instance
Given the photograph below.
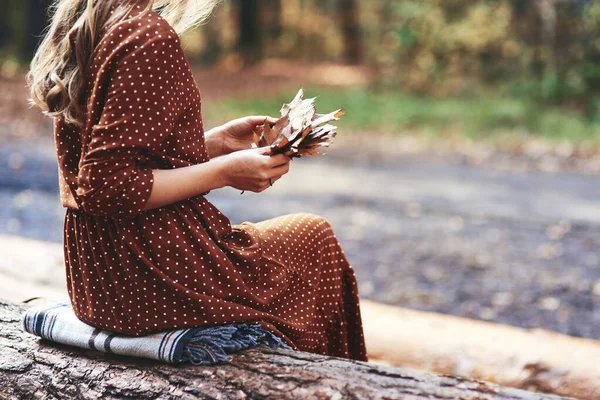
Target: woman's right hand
x=251 y=169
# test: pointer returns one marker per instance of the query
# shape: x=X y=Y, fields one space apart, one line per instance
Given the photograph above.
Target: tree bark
x=33 y=368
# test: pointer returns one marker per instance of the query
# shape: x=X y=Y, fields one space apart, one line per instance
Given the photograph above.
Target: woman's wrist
x=219 y=166
x=214 y=140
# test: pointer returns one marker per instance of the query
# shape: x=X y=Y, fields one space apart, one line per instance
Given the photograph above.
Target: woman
x=144 y=249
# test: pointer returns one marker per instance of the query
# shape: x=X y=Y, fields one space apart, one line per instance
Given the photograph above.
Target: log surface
x=35 y=368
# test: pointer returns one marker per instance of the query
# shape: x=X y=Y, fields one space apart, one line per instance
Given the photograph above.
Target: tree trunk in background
x=213 y=50
x=385 y=69
x=13 y=21
x=4 y=29
x=271 y=13
x=528 y=27
x=249 y=40
x=350 y=27
x=37 y=21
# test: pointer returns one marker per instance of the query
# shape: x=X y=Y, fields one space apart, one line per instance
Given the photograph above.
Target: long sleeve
x=139 y=112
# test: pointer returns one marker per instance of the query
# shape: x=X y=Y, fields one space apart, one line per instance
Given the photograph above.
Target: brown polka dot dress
x=182 y=265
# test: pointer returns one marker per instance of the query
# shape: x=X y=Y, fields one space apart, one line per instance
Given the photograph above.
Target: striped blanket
x=207 y=345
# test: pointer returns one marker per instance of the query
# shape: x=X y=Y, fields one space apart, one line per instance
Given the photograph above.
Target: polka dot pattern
x=138 y=271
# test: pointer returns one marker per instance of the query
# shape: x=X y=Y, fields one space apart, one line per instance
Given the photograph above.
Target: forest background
x=503 y=70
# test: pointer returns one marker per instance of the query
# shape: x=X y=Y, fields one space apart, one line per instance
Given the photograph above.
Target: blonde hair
x=55 y=78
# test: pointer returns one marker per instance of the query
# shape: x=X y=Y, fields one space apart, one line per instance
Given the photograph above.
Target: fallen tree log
x=533 y=359
x=34 y=368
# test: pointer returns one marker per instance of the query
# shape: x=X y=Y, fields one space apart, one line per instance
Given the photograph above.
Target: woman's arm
x=213 y=140
x=252 y=170
x=173 y=185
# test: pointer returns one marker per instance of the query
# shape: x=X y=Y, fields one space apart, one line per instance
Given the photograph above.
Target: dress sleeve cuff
x=138 y=196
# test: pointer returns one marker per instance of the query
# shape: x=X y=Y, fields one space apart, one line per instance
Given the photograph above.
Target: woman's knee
x=314 y=219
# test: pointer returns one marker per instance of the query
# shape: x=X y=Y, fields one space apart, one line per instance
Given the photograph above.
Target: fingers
x=264 y=184
x=260 y=119
x=280 y=170
x=273 y=161
x=266 y=150
x=276 y=174
x=277 y=177
x=279 y=159
x=271 y=120
x=268 y=178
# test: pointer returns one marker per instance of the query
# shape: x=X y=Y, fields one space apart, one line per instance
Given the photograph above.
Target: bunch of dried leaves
x=300 y=130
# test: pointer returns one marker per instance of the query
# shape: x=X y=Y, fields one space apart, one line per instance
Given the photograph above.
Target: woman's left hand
x=237 y=134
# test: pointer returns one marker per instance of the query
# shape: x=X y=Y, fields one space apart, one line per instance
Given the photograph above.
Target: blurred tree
x=37 y=19
x=559 y=39
x=350 y=27
x=271 y=21
x=14 y=27
x=249 y=40
x=212 y=49
x=4 y=31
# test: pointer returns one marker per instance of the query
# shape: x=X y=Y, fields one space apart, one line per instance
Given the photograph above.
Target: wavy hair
x=55 y=77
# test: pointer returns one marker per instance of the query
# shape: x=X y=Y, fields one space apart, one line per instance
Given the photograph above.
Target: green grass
x=476 y=117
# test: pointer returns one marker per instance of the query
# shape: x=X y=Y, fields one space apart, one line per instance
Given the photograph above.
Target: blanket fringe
x=210 y=345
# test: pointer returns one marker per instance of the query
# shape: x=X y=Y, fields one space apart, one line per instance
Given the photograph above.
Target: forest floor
x=466 y=230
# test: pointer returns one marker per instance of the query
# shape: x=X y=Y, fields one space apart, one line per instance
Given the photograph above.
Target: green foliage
x=442 y=47
x=486 y=116
x=548 y=51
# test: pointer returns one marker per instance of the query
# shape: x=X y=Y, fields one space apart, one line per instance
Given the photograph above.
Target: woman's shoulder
x=140 y=29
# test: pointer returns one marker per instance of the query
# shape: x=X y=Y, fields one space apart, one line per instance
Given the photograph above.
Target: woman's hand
x=237 y=134
x=254 y=169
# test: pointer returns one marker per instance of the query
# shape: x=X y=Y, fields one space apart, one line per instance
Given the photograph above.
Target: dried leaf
x=269 y=134
x=322 y=119
x=255 y=139
x=300 y=130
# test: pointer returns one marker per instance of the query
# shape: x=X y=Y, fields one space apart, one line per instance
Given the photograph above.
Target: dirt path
x=424 y=232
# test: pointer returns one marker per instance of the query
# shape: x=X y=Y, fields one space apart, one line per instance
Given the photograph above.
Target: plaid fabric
x=56 y=321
